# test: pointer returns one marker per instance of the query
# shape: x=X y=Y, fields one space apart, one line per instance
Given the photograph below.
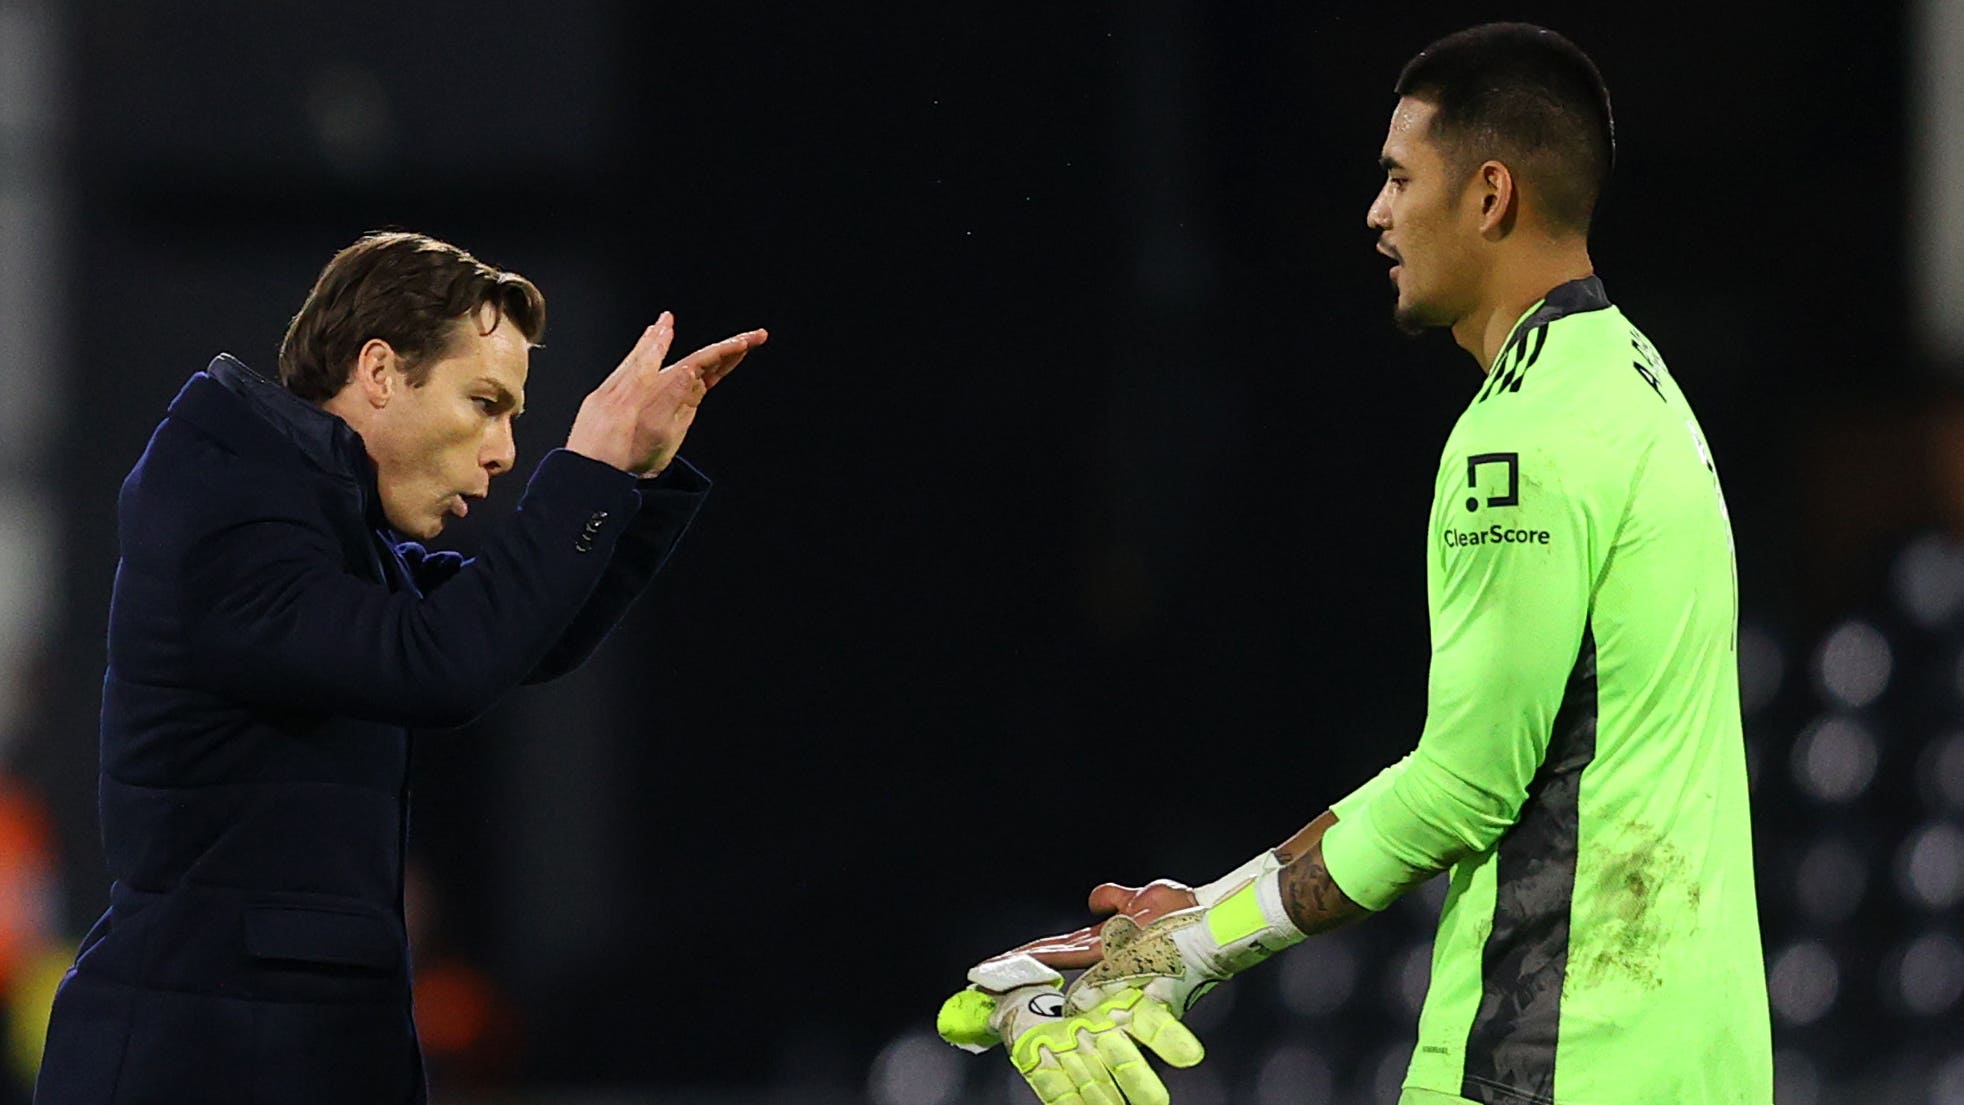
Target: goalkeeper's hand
x=1177 y=957
x=1086 y=1058
x=1148 y=965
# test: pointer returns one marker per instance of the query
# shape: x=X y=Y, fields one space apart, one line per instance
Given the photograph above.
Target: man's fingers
x=643 y=345
x=716 y=371
x=652 y=357
x=715 y=361
x=1142 y=903
x=1110 y=897
x=1068 y=951
x=1131 y=1071
x=649 y=352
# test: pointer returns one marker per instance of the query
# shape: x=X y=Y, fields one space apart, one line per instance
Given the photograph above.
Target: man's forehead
x=502 y=357
x=1410 y=129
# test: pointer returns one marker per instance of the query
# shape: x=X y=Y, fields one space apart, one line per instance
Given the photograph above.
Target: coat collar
x=260 y=417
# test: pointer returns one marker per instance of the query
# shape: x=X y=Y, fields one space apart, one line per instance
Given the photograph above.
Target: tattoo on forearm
x=1314 y=900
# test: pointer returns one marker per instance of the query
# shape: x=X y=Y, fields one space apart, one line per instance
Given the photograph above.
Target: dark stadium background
x=1070 y=526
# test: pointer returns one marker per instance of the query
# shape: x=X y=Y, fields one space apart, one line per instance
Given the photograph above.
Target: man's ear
x=1499 y=200
x=377 y=373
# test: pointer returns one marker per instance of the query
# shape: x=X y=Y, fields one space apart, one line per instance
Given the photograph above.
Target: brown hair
x=409 y=290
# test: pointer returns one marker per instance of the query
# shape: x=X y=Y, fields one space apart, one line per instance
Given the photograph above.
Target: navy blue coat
x=271 y=647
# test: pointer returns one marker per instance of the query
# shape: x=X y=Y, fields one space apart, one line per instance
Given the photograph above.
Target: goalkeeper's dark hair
x=1527 y=97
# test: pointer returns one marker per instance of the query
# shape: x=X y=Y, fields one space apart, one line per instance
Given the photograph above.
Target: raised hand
x=636 y=419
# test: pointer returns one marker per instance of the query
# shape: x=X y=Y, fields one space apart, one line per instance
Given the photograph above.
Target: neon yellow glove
x=1006 y=996
x=1086 y=1059
x=1089 y=1059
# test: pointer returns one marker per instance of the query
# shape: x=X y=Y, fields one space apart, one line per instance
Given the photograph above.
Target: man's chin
x=422 y=529
x=1413 y=319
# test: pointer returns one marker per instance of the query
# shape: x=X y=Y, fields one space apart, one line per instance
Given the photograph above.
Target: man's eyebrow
x=1389 y=163
x=504 y=395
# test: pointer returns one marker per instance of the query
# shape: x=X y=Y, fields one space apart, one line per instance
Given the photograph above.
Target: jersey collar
x=1573 y=298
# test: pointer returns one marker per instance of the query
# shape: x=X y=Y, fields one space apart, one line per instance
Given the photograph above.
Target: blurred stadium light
x=1930 y=866
x=1947 y=1087
x=1295 y=1074
x=916 y=1069
x=1835 y=759
x=1802 y=982
x=1931 y=974
x=1854 y=664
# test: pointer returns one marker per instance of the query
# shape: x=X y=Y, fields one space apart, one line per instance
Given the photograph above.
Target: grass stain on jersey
x=1645 y=899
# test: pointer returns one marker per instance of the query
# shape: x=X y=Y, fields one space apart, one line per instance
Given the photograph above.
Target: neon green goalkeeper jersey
x=1581 y=771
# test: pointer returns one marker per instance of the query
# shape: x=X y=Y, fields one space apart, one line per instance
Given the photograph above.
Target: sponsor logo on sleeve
x=1509 y=463
x=1495 y=534
x=1494 y=479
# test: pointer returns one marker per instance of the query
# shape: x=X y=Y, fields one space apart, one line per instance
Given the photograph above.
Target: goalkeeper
x=1581 y=771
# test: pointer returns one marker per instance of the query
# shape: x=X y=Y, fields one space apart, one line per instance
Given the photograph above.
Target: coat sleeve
x=668 y=504
x=275 y=619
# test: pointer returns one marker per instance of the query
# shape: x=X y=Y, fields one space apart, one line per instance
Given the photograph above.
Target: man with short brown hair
x=277 y=631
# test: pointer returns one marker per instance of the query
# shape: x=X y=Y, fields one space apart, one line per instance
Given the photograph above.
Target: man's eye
x=484 y=404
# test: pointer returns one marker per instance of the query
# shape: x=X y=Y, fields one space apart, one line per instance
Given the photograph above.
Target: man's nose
x=1378 y=215
x=500 y=449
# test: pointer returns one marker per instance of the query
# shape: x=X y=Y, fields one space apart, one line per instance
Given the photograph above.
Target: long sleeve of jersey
x=1518 y=540
x=1349 y=804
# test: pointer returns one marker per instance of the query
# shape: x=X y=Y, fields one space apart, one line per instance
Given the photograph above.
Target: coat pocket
x=322 y=936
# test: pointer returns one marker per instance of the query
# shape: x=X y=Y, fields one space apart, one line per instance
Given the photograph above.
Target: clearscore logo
x=1509 y=495
x=1495 y=534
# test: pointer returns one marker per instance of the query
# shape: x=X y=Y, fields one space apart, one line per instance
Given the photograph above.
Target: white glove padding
x=1007 y=996
x=1180 y=956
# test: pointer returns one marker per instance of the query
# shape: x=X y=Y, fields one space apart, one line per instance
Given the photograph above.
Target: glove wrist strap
x=1242 y=929
x=1211 y=894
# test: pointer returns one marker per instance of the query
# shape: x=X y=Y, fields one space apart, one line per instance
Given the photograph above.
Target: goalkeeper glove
x=1177 y=958
x=1084 y=1059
